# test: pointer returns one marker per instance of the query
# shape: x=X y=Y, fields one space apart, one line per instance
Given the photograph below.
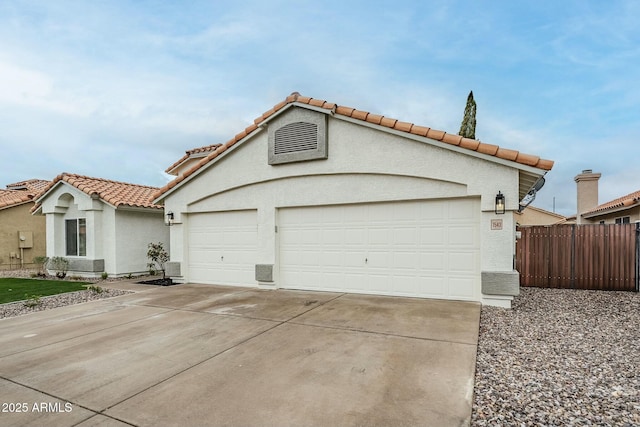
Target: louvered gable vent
x=298 y=136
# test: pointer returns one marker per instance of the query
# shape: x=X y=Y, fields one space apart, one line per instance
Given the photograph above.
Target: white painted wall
x=134 y=231
x=364 y=164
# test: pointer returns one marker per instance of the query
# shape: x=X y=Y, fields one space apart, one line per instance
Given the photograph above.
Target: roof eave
x=159 y=200
x=609 y=211
x=13 y=205
x=151 y=209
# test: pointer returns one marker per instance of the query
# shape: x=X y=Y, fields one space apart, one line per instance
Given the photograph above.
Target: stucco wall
x=13 y=220
x=363 y=164
x=134 y=231
x=532 y=216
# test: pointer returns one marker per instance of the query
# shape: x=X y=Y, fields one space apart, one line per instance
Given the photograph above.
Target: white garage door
x=222 y=248
x=425 y=249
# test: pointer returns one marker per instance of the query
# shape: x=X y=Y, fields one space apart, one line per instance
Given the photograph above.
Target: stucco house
x=622 y=210
x=537 y=216
x=318 y=196
x=101 y=225
x=22 y=236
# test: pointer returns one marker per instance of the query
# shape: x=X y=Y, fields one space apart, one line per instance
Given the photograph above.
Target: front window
x=76 y=232
x=623 y=220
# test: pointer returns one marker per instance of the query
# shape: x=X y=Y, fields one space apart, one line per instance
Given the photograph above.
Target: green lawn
x=21 y=289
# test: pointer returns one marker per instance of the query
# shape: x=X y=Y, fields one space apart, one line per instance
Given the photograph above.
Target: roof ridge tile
x=116 y=193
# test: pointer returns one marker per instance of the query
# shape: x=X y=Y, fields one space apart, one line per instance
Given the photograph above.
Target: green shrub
x=32 y=301
x=104 y=275
x=95 y=289
x=42 y=265
x=158 y=255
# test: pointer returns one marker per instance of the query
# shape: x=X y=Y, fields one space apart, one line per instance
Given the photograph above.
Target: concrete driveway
x=199 y=355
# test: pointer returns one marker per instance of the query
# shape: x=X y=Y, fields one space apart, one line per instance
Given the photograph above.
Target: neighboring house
x=22 y=236
x=318 y=196
x=623 y=210
x=191 y=158
x=536 y=216
x=101 y=225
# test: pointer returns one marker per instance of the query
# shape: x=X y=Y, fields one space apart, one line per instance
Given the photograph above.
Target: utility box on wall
x=25 y=239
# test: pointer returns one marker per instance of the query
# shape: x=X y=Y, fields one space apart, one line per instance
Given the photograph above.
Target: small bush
x=158 y=255
x=42 y=266
x=104 y=275
x=60 y=265
x=95 y=289
x=32 y=301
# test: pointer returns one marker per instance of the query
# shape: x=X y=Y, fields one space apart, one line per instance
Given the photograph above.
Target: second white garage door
x=222 y=247
x=427 y=249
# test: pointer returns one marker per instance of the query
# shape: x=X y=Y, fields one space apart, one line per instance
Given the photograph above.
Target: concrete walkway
x=199 y=355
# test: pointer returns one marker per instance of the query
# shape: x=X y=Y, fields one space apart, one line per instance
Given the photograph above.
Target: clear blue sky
x=120 y=90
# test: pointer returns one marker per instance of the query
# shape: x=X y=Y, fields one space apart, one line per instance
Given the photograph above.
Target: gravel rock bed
x=45 y=303
x=19 y=308
x=559 y=358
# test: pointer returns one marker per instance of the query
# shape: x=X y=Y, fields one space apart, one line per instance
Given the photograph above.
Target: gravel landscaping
x=559 y=358
x=44 y=303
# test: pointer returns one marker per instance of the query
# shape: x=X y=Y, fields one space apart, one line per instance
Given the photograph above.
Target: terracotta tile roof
x=113 y=192
x=194 y=152
x=9 y=198
x=621 y=202
x=33 y=185
x=21 y=192
x=457 y=140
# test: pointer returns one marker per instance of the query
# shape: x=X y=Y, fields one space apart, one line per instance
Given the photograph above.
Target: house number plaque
x=496 y=224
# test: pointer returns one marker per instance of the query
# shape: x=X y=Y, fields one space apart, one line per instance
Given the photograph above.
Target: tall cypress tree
x=468 y=126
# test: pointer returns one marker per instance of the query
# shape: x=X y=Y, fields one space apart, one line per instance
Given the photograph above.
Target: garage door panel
x=407 y=236
x=433 y=262
x=460 y=287
x=332 y=237
x=433 y=212
x=416 y=248
x=462 y=236
x=464 y=209
x=354 y=258
x=377 y=236
x=405 y=260
x=432 y=236
x=333 y=259
x=222 y=247
x=355 y=234
x=462 y=262
x=430 y=285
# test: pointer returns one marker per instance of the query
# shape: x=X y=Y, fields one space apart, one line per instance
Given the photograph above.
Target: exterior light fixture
x=169 y=221
x=500 y=203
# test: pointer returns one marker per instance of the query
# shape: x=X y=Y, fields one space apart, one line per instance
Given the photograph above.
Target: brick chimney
x=587 y=190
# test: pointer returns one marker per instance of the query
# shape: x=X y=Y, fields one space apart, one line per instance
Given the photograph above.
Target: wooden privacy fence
x=593 y=256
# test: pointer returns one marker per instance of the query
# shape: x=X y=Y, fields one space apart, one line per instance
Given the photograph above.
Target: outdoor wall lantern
x=500 y=205
x=169 y=219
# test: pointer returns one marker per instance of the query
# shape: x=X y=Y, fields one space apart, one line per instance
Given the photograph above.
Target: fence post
x=573 y=256
x=637 y=256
